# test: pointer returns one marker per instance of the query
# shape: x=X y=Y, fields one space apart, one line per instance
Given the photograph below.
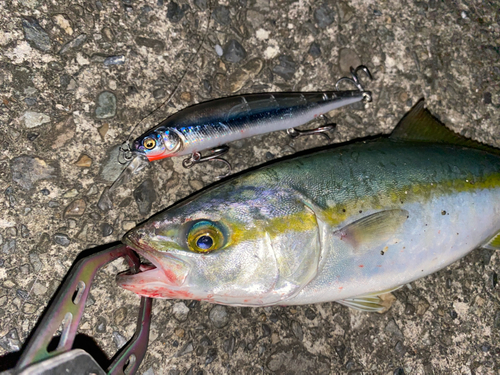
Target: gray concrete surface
x=76 y=76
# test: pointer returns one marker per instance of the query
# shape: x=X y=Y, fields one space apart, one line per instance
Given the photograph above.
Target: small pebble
x=218 y=50
x=73 y=44
x=155 y=44
x=101 y=325
x=393 y=328
x=10 y=342
x=180 y=311
x=219 y=316
x=29 y=308
x=234 y=51
x=39 y=289
x=28 y=170
x=34 y=119
x=110 y=167
x=310 y=314
x=64 y=23
x=104 y=202
x=340 y=349
x=145 y=196
x=105 y=105
x=106 y=229
x=35 y=34
x=179 y=332
x=186 y=97
x=53 y=203
x=61 y=239
x=119 y=340
x=266 y=330
x=297 y=330
x=22 y=294
x=202 y=4
x=9 y=246
x=175 y=12
x=159 y=93
x=75 y=208
x=211 y=355
x=35 y=261
x=324 y=16
x=120 y=315
x=221 y=15
x=453 y=314
x=409 y=309
x=70 y=194
x=84 y=161
x=314 y=49
x=205 y=341
x=228 y=345
x=186 y=349
x=30 y=101
x=11 y=231
x=487 y=98
x=241 y=76
x=400 y=347
x=114 y=60
x=285 y=68
x=103 y=130
x=128 y=225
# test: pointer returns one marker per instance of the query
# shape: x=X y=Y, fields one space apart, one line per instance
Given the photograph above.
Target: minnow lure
x=346 y=224
x=210 y=125
x=213 y=124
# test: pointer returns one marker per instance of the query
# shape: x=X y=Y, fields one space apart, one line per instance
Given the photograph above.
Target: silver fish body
x=343 y=225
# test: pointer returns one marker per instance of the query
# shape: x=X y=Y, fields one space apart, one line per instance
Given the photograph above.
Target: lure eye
x=205 y=237
x=149 y=143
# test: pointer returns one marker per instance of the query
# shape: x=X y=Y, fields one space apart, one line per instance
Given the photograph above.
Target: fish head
x=218 y=247
x=158 y=143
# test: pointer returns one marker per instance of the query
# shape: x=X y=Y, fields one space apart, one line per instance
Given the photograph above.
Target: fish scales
x=344 y=224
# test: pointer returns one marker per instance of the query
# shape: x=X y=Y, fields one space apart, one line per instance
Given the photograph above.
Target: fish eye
x=205 y=241
x=204 y=237
x=149 y=143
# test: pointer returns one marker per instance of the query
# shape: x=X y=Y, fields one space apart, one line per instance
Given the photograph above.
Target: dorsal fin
x=421 y=126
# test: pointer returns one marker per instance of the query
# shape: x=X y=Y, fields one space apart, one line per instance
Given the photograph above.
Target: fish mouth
x=163 y=277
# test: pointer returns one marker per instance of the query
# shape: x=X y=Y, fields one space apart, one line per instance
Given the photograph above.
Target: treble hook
x=125 y=153
x=322 y=130
x=196 y=158
x=355 y=80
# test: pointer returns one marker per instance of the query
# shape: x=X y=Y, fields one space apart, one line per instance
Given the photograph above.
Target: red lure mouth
x=158 y=155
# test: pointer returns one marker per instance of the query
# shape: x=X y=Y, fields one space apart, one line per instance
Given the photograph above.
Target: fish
x=346 y=224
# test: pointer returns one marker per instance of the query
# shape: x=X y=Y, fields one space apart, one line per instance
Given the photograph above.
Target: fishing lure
x=210 y=125
x=345 y=224
x=213 y=124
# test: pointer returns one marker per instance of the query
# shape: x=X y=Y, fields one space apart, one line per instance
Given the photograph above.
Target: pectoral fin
x=373 y=302
x=374 y=230
x=493 y=243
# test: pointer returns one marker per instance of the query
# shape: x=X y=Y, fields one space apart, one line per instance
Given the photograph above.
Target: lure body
x=346 y=225
x=211 y=124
